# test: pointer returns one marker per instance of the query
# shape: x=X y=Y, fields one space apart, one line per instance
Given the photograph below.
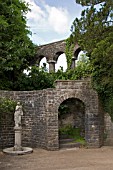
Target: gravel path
x=68 y=159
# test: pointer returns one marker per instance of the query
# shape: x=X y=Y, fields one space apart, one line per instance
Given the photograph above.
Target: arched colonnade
x=52 y=52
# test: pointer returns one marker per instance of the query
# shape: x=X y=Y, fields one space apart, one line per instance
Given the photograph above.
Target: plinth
x=18 y=138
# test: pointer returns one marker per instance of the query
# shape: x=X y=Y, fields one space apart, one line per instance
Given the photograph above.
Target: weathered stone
x=52 y=51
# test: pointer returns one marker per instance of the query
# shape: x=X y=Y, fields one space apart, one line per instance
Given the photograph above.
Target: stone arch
x=57 y=55
x=72 y=95
x=83 y=99
x=61 y=61
x=52 y=51
x=40 y=58
x=76 y=90
x=76 y=52
x=53 y=138
x=43 y=64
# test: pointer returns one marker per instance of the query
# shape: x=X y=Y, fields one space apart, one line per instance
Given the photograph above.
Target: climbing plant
x=69 y=52
x=7 y=108
x=7 y=105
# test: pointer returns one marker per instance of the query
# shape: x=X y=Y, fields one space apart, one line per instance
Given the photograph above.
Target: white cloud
x=58 y=19
x=46 y=18
x=36 y=17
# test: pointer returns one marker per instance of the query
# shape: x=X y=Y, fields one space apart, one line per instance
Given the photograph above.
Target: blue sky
x=51 y=20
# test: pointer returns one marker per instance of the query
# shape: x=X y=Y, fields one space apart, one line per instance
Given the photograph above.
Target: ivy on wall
x=69 y=52
x=7 y=106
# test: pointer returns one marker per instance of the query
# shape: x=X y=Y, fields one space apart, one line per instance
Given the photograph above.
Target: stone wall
x=40 y=119
x=108 y=130
x=6 y=130
x=33 y=120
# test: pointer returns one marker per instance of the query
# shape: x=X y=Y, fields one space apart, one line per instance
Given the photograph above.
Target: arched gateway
x=93 y=117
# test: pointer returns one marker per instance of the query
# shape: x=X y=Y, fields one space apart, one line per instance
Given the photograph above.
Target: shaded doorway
x=71 y=120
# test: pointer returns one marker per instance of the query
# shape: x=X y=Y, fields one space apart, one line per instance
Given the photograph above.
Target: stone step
x=64 y=136
x=70 y=145
x=63 y=141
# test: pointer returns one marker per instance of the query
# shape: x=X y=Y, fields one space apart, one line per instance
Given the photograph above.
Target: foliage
x=63 y=109
x=7 y=105
x=16 y=49
x=88 y=2
x=103 y=71
x=82 y=70
x=69 y=52
x=37 y=79
x=93 y=26
x=72 y=132
x=94 y=33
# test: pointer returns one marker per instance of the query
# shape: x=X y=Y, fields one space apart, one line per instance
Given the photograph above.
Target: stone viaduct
x=52 y=51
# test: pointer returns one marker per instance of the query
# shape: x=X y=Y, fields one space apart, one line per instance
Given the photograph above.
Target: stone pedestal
x=18 y=149
x=18 y=132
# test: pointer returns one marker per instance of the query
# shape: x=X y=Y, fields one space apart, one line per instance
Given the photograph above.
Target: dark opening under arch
x=71 y=120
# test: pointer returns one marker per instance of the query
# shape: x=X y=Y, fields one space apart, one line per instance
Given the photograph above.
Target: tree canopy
x=16 y=48
x=89 y=2
x=94 y=33
x=94 y=25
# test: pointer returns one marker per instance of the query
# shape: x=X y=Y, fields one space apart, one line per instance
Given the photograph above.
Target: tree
x=94 y=25
x=16 y=48
x=94 y=33
x=89 y=2
x=37 y=79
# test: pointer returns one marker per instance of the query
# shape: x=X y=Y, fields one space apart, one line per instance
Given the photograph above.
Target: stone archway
x=40 y=120
x=93 y=119
x=88 y=124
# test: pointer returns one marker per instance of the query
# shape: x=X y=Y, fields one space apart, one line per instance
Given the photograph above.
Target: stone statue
x=18 y=114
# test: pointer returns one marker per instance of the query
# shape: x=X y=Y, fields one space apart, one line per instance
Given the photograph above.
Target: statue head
x=18 y=103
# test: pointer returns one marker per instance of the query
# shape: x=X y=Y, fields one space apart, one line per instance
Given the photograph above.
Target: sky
x=50 y=21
